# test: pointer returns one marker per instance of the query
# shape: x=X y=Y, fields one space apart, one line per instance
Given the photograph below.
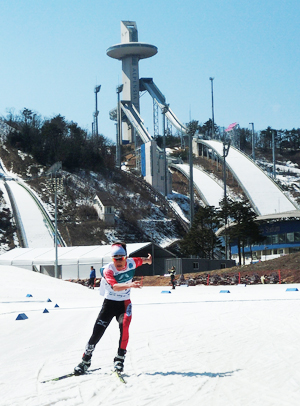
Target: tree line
x=239 y=228
x=56 y=139
x=285 y=140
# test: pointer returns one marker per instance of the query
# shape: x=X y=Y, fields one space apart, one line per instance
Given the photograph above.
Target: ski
x=119 y=375
x=59 y=378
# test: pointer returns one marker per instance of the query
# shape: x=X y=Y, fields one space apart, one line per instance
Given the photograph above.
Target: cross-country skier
x=116 y=284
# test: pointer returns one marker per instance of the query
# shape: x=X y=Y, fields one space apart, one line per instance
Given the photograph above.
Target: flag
x=231 y=127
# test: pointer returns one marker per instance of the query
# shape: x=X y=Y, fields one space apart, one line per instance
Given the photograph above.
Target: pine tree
x=201 y=240
x=243 y=228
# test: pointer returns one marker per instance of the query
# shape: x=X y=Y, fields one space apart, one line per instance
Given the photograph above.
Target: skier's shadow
x=191 y=374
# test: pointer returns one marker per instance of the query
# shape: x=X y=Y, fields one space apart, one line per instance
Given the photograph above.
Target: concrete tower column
x=130 y=51
x=130 y=65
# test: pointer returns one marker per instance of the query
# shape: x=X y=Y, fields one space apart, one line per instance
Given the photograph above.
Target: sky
x=194 y=345
x=53 y=54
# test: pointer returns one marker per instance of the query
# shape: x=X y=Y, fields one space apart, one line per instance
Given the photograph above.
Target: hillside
x=287 y=172
x=141 y=213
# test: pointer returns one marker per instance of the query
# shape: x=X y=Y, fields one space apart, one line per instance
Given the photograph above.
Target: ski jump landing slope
x=210 y=191
x=264 y=194
x=35 y=230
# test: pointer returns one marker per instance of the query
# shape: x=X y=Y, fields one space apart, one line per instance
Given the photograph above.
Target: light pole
x=119 y=127
x=164 y=110
x=191 y=184
x=212 y=108
x=226 y=146
x=273 y=153
x=96 y=90
x=53 y=170
x=55 y=243
x=253 y=149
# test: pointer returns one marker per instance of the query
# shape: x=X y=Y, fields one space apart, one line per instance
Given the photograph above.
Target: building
x=282 y=237
x=75 y=262
x=195 y=265
x=104 y=206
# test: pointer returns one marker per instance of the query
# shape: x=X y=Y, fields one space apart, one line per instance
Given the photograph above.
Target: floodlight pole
x=191 y=182
x=55 y=239
x=164 y=111
x=253 y=148
x=226 y=146
x=53 y=171
x=273 y=153
x=212 y=108
x=119 y=128
x=96 y=90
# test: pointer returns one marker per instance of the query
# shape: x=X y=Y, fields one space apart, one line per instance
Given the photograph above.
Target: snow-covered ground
x=287 y=173
x=212 y=191
x=37 y=232
x=265 y=195
x=194 y=346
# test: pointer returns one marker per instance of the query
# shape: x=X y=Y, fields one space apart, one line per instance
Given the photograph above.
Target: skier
x=115 y=286
x=91 y=282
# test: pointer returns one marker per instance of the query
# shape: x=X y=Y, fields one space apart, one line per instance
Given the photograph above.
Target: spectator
x=91 y=282
x=172 y=273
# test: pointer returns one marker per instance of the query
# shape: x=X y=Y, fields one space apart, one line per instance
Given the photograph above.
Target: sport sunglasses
x=119 y=258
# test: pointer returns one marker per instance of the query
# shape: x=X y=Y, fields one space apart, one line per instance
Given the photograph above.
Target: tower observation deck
x=130 y=51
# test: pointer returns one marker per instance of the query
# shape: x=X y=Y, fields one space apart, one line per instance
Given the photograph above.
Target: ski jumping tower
x=130 y=51
x=151 y=160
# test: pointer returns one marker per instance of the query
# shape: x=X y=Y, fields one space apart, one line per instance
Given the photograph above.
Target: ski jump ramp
x=32 y=219
x=208 y=189
x=148 y=85
x=135 y=119
x=36 y=231
x=264 y=194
